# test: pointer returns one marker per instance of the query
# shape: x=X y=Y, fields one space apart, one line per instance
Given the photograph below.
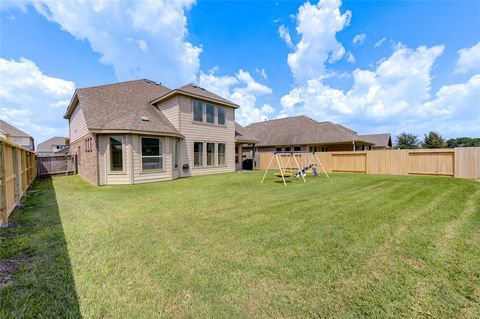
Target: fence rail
x=17 y=171
x=51 y=165
x=458 y=162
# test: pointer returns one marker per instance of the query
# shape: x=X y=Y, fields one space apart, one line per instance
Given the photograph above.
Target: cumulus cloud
x=32 y=101
x=359 y=38
x=145 y=39
x=241 y=89
x=317 y=24
x=468 y=59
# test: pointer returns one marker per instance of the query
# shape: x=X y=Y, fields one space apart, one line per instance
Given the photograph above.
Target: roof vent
x=144 y=118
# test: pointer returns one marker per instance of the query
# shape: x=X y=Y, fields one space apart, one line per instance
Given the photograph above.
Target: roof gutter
x=114 y=131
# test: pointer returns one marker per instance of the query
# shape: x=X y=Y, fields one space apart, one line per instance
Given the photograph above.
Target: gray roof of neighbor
x=244 y=135
x=46 y=146
x=12 y=130
x=301 y=130
x=124 y=106
x=380 y=140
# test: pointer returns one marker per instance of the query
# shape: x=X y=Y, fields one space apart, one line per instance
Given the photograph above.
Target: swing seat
x=284 y=174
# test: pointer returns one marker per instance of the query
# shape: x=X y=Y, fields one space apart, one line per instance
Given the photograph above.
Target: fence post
x=3 y=188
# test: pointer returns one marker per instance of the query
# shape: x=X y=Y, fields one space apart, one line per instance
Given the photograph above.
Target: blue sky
x=413 y=66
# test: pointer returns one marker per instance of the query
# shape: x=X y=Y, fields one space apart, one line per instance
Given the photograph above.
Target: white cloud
x=395 y=94
x=32 y=101
x=350 y=57
x=379 y=42
x=241 y=89
x=285 y=35
x=145 y=39
x=359 y=38
x=468 y=59
x=317 y=25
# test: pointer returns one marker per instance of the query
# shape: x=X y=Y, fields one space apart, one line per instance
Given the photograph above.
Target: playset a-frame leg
x=281 y=170
x=268 y=168
x=320 y=163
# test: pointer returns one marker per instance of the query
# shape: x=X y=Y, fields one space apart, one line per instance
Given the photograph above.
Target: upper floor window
x=152 y=153
x=210 y=113
x=221 y=115
x=198 y=111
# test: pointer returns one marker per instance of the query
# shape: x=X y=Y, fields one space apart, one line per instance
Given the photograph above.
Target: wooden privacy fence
x=17 y=171
x=459 y=162
x=51 y=165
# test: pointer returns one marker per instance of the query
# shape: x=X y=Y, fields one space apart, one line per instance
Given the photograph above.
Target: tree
x=406 y=140
x=433 y=140
x=463 y=142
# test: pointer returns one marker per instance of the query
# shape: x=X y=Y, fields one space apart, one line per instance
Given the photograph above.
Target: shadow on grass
x=43 y=285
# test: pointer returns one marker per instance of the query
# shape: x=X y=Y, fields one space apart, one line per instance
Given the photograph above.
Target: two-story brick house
x=141 y=131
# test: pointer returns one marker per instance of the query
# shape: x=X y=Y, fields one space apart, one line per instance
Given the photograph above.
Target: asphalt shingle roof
x=380 y=140
x=244 y=135
x=46 y=146
x=300 y=130
x=12 y=130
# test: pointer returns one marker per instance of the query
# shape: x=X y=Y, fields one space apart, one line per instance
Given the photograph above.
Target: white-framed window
x=221 y=115
x=198 y=154
x=176 y=153
x=210 y=113
x=297 y=148
x=278 y=149
x=116 y=153
x=288 y=148
x=312 y=148
x=210 y=154
x=221 y=154
x=197 y=111
x=152 y=153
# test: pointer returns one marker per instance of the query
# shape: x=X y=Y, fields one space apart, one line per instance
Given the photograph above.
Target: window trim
x=162 y=156
x=204 y=155
x=109 y=166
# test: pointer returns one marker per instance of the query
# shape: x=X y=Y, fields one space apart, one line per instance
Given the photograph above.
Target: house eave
x=117 y=131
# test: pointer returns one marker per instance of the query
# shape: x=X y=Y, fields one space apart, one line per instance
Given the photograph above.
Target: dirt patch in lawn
x=8 y=267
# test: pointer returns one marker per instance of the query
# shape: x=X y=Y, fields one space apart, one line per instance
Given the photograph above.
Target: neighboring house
x=301 y=133
x=15 y=135
x=141 y=131
x=55 y=146
x=381 y=141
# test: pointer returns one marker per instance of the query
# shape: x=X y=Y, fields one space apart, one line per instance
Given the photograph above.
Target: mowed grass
x=226 y=246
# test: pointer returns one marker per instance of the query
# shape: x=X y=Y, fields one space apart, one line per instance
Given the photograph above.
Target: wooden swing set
x=313 y=160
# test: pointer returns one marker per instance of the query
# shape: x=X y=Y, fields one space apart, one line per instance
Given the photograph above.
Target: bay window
x=116 y=153
x=152 y=153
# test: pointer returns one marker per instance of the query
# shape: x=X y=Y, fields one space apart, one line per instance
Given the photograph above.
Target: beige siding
x=195 y=132
x=77 y=125
x=171 y=111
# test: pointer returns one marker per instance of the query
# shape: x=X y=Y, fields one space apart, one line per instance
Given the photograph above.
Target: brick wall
x=87 y=153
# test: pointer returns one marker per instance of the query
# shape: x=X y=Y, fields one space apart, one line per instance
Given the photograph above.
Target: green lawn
x=226 y=246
